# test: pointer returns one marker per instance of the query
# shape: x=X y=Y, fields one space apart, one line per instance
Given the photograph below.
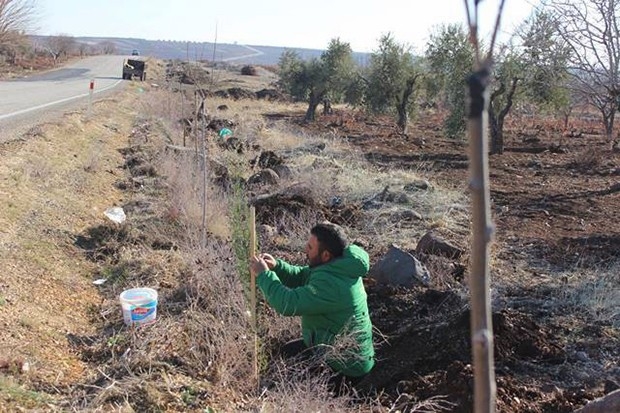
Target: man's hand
x=271 y=262
x=257 y=265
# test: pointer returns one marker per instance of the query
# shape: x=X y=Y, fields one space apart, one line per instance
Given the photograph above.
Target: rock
x=264 y=177
x=611 y=385
x=420 y=184
x=400 y=268
x=335 y=201
x=283 y=171
x=269 y=159
x=430 y=243
x=372 y=204
x=271 y=95
x=582 y=356
x=222 y=107
x=267 y=232
x=406 y=215
x=399 y=198
x=321 y=163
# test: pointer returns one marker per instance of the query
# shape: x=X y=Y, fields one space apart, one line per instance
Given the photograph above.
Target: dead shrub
x=249 y=70
x=185 y=195
x=587 y=161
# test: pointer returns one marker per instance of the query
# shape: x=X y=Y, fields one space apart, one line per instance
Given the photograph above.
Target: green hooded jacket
x=331 y=300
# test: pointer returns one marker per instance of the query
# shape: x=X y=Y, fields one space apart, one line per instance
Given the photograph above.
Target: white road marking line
x=45 y=105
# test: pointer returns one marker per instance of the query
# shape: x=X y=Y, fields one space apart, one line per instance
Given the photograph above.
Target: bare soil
x=555 y=204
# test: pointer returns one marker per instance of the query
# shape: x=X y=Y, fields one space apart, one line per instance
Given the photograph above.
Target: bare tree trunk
x=327 y=106
x=313 y=103
x=608 y=121
x=403 y=118
x=497 y=120
x=497 y=133
x=402 y=107
x=482 y=230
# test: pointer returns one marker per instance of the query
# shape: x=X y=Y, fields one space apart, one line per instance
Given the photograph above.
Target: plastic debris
x=225 y=133
x=116 y=214
x=100 y=281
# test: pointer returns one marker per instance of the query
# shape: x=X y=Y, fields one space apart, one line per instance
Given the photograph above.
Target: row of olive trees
x=394 y=77
x=387 y=85
x=564 y=53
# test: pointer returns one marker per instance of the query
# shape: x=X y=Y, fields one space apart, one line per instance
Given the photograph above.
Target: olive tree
x=545 y=58
x=506 y=77
x=534 y=71
x=315 y=80
x=391 y=80
x=450 y=56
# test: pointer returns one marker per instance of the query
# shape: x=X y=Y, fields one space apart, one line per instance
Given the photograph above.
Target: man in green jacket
x=329 y=296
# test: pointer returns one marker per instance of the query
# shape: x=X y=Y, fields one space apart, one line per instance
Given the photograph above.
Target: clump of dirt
x=293 y=201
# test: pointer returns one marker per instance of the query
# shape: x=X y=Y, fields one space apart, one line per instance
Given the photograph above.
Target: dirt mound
x=271 y=208
x=235 y=93
x=427 y=352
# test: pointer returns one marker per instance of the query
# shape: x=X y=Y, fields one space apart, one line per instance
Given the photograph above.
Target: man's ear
x=326 y=256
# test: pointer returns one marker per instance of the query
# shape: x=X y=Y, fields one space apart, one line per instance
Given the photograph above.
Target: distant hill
x=220 y=52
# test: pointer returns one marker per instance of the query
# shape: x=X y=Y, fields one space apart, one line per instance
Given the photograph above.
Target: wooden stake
x=252 y=250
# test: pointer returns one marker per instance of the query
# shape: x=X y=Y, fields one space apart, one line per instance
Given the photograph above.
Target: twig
x=252 y=250
x=482 y=227
x=496 y=29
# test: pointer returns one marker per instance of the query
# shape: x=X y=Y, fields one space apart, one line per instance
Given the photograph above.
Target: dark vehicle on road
x=134 y=67
x=135 y=52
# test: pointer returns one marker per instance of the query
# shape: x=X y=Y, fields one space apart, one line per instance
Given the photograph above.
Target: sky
x=311 y=24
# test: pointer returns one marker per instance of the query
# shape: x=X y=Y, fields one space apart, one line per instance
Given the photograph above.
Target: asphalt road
x=24 y=101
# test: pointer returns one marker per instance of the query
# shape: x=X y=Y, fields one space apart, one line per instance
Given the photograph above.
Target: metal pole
x=91 y=88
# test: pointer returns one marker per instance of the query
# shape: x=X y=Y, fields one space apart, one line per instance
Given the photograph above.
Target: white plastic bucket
x=139 y=306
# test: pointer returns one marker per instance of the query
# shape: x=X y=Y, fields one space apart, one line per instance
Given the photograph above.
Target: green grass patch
x=13 y=394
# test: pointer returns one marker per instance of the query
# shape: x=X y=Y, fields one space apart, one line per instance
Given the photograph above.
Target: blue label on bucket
x=143 y=312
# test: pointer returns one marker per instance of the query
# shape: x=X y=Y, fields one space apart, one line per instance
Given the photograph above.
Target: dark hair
x=331 y=237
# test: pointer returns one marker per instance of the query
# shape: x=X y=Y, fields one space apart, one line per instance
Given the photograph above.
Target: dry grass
x=595 y=292
x=340 y=171
x=46 y=283
x=185 y=196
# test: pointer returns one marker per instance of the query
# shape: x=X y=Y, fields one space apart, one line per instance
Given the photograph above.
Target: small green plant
x=115 y=340
x=25 y=398
x=188 y=395
x=2 y=301
x=116 y=273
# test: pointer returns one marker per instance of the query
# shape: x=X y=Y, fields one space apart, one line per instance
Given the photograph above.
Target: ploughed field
x=555 y=200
